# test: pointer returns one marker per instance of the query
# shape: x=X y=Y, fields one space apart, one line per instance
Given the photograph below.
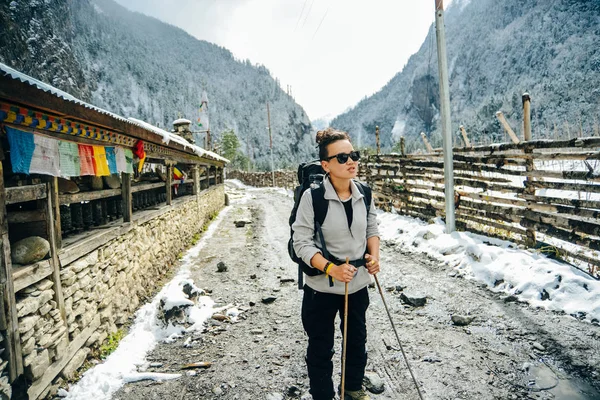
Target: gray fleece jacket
x=341 y=241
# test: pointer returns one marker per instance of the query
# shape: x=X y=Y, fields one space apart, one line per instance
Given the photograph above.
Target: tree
x=230 y=144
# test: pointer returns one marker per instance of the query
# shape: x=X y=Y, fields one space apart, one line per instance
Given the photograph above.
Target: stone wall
x=103 y=289
x=283 y=179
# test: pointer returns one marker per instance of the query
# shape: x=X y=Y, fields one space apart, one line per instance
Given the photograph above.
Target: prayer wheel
x=76 y=217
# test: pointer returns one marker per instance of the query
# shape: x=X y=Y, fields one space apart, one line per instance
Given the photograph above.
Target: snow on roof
x=5 y=70
x=181 y=121
x=16 y=75
x=168 y=137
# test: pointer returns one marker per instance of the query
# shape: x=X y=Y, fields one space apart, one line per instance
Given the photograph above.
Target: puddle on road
x=541 y=380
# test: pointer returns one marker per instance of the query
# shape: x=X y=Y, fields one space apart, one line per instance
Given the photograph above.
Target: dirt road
x=509 y=351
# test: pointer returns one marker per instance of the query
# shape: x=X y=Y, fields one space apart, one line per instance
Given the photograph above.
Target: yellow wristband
x=327 y=266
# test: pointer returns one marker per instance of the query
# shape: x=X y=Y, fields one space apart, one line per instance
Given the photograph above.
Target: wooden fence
x=543 y=194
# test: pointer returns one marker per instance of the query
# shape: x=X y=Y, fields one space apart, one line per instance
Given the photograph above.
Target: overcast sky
x=332 y=52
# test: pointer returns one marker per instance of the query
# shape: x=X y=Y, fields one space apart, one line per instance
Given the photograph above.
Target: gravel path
x=509 y=351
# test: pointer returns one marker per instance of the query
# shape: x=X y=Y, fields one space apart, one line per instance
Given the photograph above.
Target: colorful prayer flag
x=45 y=159
x=86 y=159
x=129 y=161
x=111 y=157
x=140 y=153
x=69 y=159
x=22 y=146
x=100 y=161
x=121 y=161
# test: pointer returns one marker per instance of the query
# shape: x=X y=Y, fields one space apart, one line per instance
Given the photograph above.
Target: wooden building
x=114 y=199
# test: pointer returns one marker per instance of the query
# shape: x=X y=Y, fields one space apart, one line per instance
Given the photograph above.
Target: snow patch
x=398 y=129
x=102 y=381
x=530 y=276
x=98 y=9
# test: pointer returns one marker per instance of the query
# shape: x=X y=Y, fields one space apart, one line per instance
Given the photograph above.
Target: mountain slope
x=139 y=67
x=496 y=52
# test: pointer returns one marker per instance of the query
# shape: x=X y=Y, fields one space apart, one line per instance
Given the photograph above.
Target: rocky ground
x=507 y=350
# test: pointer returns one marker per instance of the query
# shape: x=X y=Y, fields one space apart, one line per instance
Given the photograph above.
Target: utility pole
x=377 y=140
x=271 y=146
x=445 y=111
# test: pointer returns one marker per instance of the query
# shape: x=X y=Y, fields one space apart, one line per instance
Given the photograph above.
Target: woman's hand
x=343 y=272
x=372 y=264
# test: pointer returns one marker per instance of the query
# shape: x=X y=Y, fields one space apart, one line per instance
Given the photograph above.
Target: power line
x=300 y=16
x=318 y=27
x=308 y=12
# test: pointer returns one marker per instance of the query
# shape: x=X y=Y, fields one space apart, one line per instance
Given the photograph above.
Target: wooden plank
x=464 y=136
x=492 y=220
x=146 y=186
x=473 y=229
x=126 y=193
x=53 y=196
x=54 y=261
x=508 y=218
x=491 y=199
x=568 y=236
x=196 y=180
x=27 y=275
x=13 y=337
x=577 y=187
x=169 y=183
x=559 y=200
x=507 y=127
x=458 y=177
x=20 y=194
x=39 y=386
x=21 y=217
x=80 y=248
x=492 y=224
x=570 y=224
x=88 y=196
x=537 y=144
x=3 y=321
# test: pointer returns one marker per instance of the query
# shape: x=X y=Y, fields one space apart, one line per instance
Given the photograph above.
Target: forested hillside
x=137 y=66
x=497 y=50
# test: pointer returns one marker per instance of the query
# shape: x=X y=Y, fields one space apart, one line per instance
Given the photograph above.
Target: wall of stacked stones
x=283 y=179
x=103 y=289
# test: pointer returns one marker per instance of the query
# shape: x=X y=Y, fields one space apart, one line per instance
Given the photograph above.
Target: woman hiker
x=349 y=230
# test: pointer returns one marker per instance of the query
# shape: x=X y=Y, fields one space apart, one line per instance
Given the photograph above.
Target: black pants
x=318 y=317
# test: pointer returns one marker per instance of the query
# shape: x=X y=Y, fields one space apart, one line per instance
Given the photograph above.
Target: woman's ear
x=325 y=165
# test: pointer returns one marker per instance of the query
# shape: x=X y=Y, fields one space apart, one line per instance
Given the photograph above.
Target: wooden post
x=526 y=117
x=272 y=177
x=169 y=184
x=196 y=178
x=507 y=127
x=377 y=139
x=402 y=146
x=427 y=144
x=530 y=239
x=56 y=209
x=54 y=261
x=126 y=196
x=464 y=136
x=13 y=338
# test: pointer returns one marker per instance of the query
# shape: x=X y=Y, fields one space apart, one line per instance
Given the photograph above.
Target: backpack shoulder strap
x=320 y=205
x=366 y=192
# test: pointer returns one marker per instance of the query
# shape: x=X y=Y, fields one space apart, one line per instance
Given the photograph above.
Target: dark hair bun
x=326 y=137
x=330 y=135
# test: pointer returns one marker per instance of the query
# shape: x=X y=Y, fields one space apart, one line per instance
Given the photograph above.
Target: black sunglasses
x=343 y=157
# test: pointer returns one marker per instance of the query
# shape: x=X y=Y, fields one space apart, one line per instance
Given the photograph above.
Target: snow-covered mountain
x=497 y=50
x=137 y=66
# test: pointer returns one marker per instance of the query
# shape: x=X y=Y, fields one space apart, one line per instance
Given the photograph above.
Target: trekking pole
x=345 y=340
x=397 y=337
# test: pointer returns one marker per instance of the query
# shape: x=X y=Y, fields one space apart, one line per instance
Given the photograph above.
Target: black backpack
x=310 y=176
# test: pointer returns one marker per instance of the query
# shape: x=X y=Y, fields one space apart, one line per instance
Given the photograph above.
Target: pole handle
x=345 y=341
